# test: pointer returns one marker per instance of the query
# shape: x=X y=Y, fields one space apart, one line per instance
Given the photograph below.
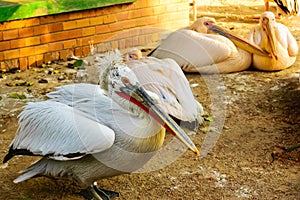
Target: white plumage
x=276 y=39
x=165 y=78
x=85 y=133
x=196 y=50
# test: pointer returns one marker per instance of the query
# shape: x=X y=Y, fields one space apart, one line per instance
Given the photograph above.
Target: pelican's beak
x=267 y=27
x=139 y=96
x=238 y=41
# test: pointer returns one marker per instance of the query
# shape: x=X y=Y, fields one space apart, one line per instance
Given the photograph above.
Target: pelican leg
x=93 y=192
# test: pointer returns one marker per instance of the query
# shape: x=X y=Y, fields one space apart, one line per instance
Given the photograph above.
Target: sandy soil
x=261 y=116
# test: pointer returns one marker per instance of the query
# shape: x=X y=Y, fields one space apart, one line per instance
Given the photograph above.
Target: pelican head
x=123 y=87
x=268 y=24
x=133 y=54
x=237 y=40
x=202 y=24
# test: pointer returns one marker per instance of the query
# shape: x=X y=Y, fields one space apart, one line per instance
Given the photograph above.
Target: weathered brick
x=55 y=27
x=75 y=33
x=4 y=45
x=152 y=3
x=84 y=41
x=41 y=49
x=88 y=31
x=25 y=32
x=128 y=43
x=32 y=41
x=111 y=9
x=109 y=18
x=99 y=11
x=63 y=55
x=31 y=61
x=78 y=52
x=122 y=16
x=47 y=58
x=141 y=4
x=102 y=29
x=11 y=34
x=88 y=13
x=52 y=37
x=27 y=51
x=141 y=13
x=69 y=25
x=56 y=46
x=75 y=15
x=83 y=23
x=23 y=63
x=67 y=44
x=55 y=55
x=31 y=22
x=1 y=35
x=61 y=17
x=135 y=41
x=16 y=43
x=47 y=19
x=96 y=20
x=142 y=40
x=12 y=25
x=2 y=55
x=86 y=50
x=39 y=60
x=127 y=24
x=114 y=27
x=146 y=21
x=122 y=44
x=159 y=9
x=11 y=54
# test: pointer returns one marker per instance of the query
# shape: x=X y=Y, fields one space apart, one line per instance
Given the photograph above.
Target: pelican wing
x=165 y=78
x=53 y=128
x=286 y=39
x=192 y=49
x=255 y=35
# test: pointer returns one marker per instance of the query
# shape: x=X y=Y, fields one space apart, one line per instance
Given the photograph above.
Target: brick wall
x=34 y=41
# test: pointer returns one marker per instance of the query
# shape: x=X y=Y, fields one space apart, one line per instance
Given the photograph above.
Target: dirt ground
x=261 y=115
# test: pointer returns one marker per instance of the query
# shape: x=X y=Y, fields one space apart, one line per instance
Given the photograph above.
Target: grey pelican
x=276 y=39
x=195 y=49
x=85 y=133
x=288 y=7
x=165 y=78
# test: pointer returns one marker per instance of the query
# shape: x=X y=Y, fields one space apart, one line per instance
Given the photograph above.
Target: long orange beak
x=139 y=96
x=267 y=27
x=238 y=41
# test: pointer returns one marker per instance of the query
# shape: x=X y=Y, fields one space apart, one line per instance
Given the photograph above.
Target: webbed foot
x=93 y=192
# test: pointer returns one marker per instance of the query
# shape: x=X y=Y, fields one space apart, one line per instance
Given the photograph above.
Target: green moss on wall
x=13 y=9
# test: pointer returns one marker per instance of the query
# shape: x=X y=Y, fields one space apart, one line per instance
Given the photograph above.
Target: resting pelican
x=85 y=133
x=289 y=7
x=196 y=50
x=277 y=40
x=165 y=78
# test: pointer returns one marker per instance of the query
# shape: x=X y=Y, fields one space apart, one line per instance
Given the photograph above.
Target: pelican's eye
x=206 y=23
x=125 y=81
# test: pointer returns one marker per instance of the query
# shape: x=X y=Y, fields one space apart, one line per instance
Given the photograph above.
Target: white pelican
x=196 y=50
x=165 y=78
x=276 y=40
x=85 y=133
x=288 y=7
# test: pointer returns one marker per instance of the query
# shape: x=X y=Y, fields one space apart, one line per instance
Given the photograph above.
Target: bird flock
x=87 y=132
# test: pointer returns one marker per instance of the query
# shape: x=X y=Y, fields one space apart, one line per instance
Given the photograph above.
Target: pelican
x=165 y=78
x=195 y=49
x=85 y=133
x=288 y=7
x=276 y=40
